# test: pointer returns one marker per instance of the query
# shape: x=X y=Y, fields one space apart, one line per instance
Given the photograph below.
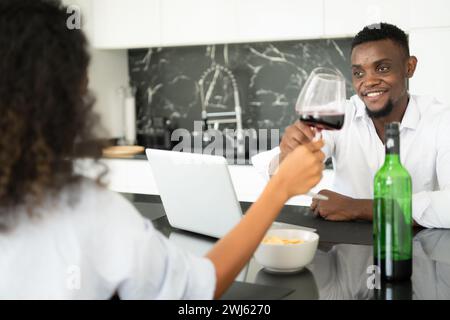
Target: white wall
x=432 y=48
x=429 y=39
x=344 y=18
x=108 y=71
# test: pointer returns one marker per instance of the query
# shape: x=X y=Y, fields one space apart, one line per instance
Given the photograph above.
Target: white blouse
x=90 y=243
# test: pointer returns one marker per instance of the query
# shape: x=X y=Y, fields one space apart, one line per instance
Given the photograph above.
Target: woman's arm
x=299 y=172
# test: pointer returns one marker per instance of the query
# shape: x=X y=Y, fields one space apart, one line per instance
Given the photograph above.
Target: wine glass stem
x=317 y=135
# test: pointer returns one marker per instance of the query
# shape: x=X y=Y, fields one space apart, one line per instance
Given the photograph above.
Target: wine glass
x=321 y=103
x=322 y=99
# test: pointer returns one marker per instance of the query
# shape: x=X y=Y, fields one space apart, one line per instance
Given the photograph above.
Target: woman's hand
x=295 y=135
x=301 y=169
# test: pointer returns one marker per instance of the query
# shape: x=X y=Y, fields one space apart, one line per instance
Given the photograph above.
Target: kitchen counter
x=245 y=162
x=134 y=175
x=339 y=268
x=142 y=156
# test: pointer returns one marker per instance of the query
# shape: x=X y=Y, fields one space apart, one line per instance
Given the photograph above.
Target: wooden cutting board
x=122 y=151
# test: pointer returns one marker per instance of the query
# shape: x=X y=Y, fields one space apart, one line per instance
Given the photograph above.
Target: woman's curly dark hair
x=45 y=112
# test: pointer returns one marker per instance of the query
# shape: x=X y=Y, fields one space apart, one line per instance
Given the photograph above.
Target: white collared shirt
x=357 y=153
x=94 y=247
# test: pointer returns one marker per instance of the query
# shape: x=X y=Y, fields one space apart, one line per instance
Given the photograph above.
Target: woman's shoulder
x=87 y=192
x=90 y=188
x=91 y=200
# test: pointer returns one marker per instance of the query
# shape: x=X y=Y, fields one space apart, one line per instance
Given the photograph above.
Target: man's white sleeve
x=262 y=161
x=431 y=209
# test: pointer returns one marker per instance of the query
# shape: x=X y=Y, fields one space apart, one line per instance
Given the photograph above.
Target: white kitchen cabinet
x=108 y=71
x=345 y=18
x=153 y=23
x=126 y=23
x=150 y=23
x=265 y=20
x=429 y=13
x=186 y=22
x=432 y=50
x=193 y=22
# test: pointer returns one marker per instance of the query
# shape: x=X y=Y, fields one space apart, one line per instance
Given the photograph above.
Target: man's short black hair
x=382 y=31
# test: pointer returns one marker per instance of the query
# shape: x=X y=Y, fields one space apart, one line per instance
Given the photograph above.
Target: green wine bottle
x=392 y=212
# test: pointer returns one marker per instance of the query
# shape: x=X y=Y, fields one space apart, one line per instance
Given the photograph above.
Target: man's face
x=379 y=72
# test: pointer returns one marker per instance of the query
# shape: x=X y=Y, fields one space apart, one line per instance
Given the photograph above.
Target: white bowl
x=287 y=257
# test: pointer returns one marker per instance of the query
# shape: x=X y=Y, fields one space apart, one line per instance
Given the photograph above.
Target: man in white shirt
x=381 y=65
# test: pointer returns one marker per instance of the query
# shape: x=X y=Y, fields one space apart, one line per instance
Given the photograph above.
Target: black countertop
x=340 y=267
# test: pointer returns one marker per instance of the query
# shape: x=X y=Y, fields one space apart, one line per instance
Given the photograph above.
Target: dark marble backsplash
x=268 y=75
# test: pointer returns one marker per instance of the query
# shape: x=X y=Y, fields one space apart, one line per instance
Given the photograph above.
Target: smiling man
x=381 y=66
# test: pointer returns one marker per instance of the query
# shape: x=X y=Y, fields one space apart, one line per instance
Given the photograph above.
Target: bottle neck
x=392 y=149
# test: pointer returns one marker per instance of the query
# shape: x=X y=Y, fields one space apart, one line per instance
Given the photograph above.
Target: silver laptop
x=197 y=192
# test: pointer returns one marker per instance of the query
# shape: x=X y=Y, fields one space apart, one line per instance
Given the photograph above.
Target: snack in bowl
x=287 y=250
x=278 y=240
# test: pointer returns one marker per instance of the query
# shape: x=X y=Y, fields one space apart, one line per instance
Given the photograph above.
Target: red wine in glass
x=323 y=121
x=321 y=102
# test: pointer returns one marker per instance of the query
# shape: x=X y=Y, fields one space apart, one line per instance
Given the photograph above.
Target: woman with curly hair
x=55 y=222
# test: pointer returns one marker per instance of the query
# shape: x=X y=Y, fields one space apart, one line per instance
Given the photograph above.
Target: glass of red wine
x=322 y=99
x=321 y=104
